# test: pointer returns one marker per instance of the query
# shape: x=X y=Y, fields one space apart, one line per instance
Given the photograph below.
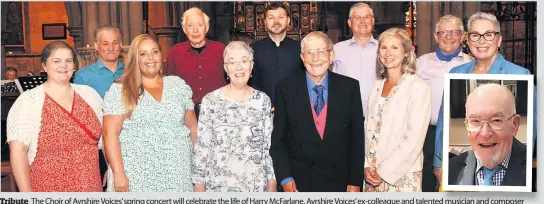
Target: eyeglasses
x=496 y=123
x=444 y=33
x=243 y=62
x=359 y=18
x=314 y=52
x=489 y=36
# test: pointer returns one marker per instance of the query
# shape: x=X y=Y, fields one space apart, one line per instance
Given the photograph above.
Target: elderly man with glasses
x=497 y=158
x=318 y=142
x=484 y=41
x=431 y=67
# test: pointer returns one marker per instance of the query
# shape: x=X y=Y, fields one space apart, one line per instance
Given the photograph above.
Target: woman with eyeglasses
x=484 y=41
x=399 y=113
x=234 y=130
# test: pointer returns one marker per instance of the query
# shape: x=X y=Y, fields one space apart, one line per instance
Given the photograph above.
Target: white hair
x=237 y=45
x=194 y=11
x=484 y=16
x=450 y=19
x=316 y=35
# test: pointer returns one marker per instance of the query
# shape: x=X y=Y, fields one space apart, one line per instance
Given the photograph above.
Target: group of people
x=358 y=115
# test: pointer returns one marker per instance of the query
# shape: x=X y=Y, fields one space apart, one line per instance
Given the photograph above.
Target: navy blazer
x=462 y=168
x=297 y=150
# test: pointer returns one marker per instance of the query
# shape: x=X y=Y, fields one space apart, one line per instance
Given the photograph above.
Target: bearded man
x=276 y=56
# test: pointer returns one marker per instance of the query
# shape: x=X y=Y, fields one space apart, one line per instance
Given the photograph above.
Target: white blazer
x=404 y=126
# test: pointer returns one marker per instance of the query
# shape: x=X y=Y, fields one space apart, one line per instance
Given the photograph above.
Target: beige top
x=404 y=128
x=24 y=118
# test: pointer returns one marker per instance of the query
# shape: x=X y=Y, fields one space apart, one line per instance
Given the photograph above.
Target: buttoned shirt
x=203 y=71
x=310 y=84
x=357 y=62
x=497 y=177
x=98 y=76
x=273 y=63
x=432 y=70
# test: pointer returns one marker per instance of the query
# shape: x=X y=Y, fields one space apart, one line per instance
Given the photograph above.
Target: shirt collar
x=461 y=55
x=99 y=65
x=310 y=84
x=274 y=43
x=496 y=67
x=189 y=47
x=372 y=40
x=504 y=164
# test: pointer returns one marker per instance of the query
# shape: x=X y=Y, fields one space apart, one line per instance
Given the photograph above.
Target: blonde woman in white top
x=400 y=110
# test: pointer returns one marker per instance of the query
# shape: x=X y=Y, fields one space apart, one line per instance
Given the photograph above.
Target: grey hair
x=237 y=45
x=10 y=69
x=483 y=16
x=360 y=5
x=451 y=19
x=194 y=11
x=109 y=28
x=313 y=35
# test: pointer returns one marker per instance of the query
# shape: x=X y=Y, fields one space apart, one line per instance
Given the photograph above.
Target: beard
x=494 y=161
x=277 y=29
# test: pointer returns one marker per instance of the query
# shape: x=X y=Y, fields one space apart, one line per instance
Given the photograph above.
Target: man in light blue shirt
x=104 y=71
x=484 y=40
x=449 y=35
x=356 y=57
x=108 y=67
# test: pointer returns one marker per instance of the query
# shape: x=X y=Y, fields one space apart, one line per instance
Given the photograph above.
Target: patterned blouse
x=232 y=148
x=155 y=143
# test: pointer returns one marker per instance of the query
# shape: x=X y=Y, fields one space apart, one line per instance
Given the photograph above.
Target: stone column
x=168 y=37
x=114 y=14
x=74 y=22
x=76 y=32
x=90 y=21
x=104 y=13
x=124 y=15
x=136 y=19
x=424 y=27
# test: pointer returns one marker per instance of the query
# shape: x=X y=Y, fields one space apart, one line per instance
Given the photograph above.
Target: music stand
x=30 y=82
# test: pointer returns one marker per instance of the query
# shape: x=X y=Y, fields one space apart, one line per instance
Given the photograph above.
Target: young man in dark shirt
x=276 y=56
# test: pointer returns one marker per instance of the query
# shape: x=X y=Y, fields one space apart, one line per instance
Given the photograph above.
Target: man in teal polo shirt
x=104 y=71
x=108 y=67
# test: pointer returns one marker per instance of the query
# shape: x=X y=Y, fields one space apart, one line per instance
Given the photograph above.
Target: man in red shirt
x=198 y=61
